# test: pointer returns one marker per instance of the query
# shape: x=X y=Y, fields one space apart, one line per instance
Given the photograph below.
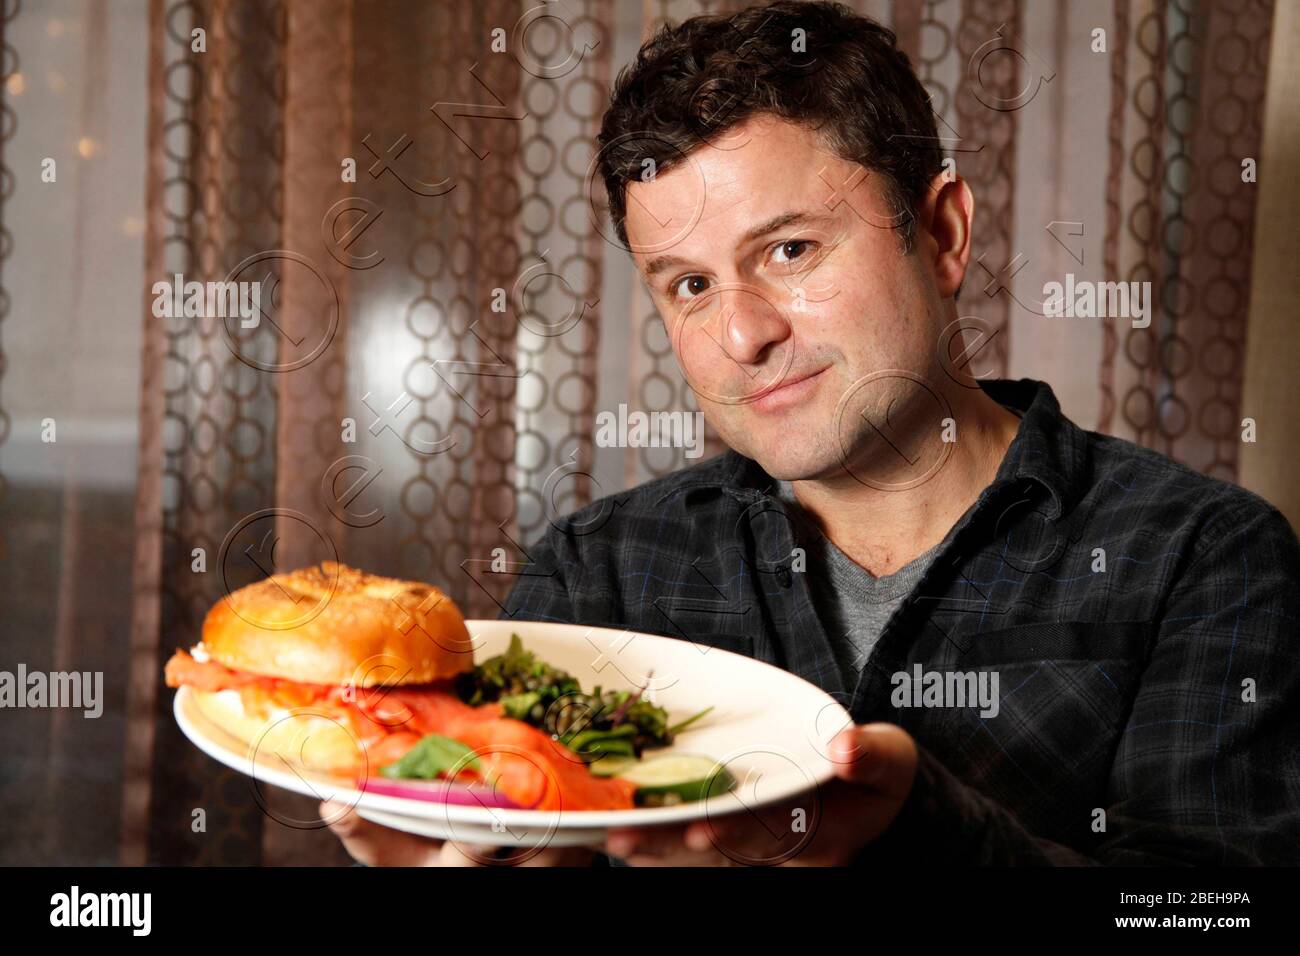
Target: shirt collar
x=1049 y=450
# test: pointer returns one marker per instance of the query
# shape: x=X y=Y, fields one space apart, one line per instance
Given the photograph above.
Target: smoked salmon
x=526 y=764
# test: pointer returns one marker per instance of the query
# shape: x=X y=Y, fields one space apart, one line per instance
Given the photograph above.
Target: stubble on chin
x=796 y=453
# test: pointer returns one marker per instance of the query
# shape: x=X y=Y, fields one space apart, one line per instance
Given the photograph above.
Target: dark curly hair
x=847 y=80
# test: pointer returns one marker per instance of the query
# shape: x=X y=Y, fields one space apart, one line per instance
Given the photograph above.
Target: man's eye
x=683 y=283
x=799 y=246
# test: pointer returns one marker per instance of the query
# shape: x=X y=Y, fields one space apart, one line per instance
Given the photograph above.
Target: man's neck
x=884 y=530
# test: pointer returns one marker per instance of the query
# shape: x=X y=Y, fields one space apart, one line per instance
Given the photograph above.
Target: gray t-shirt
x=853 y=606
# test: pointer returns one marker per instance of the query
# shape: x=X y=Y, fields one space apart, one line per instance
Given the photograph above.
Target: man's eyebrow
x=794 y=217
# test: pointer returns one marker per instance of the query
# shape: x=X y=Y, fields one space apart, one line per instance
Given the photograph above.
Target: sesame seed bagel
x=332 y=624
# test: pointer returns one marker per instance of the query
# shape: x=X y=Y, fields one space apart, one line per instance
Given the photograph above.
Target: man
x=1117 y=629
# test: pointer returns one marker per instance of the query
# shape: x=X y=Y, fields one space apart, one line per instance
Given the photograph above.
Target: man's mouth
x=792 y=391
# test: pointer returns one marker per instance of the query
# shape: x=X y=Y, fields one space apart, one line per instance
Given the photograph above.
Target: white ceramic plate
x=769 y=728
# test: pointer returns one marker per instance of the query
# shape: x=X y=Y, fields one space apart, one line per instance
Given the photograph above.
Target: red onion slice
x=439 y=791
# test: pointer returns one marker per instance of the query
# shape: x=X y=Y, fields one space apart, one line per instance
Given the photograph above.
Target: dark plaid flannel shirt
x=1127 y=689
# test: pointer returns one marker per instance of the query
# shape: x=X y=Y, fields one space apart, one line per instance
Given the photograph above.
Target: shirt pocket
x=1094 y=666
x=1065 y=690
x=1059 y=641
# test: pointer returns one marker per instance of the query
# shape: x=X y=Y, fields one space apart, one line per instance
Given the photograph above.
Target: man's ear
x=949 y=213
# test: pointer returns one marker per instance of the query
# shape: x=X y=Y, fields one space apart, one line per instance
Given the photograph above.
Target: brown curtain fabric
x=387 y=412
x=9 y=67
x=1186 y=110
x=381 y=412
x=965 y=54
x=209 y=404
x=986 y=106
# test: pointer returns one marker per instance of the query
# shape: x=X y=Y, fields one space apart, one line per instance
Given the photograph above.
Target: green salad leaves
x=602 y=723
x=431 y=757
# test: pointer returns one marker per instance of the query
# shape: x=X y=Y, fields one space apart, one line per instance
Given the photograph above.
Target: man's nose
x=751 y=326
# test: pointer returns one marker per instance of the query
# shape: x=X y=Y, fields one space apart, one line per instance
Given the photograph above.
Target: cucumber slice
x=677 y=778
x=611 y=766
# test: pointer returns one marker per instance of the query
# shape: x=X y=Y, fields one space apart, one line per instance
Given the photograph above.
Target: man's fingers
x=650 y=841
x=465 y=854
x=881 y=756
x=475 y=854
x=374 y=845
x=563 y=856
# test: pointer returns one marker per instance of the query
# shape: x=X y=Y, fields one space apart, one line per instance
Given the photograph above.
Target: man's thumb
x=881 y=756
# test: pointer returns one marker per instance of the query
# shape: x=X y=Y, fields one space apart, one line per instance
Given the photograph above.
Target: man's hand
x=374 y=845
x=875 y=766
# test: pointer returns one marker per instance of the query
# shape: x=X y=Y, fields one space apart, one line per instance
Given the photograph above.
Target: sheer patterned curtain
x=392 y=176
x=442 y=317
x=1186 y=112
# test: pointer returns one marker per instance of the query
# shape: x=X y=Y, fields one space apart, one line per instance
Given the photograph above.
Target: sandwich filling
x=523 y=762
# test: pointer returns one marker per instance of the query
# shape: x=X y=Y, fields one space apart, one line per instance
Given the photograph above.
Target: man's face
x=779 y=326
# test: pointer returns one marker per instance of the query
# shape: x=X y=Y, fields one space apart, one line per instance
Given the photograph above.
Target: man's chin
x=785 y=463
